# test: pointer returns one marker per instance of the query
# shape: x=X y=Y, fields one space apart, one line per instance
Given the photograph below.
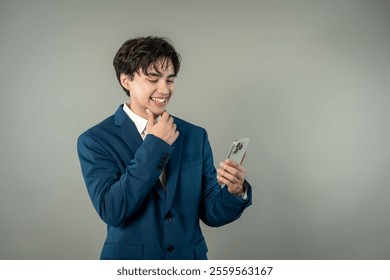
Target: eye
x=170 y=81
x=153 y=81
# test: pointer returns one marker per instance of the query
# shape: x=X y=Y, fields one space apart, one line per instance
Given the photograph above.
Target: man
x=150 y=175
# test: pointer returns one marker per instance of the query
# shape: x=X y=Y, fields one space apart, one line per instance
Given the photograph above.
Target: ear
x=125 y=81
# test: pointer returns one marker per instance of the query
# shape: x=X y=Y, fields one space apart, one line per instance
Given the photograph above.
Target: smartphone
x=238 y=149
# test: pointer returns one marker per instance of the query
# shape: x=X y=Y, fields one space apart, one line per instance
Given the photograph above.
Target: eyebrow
x=155 y=74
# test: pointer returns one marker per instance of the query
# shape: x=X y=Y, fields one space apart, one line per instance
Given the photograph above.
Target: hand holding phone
x=233 y=174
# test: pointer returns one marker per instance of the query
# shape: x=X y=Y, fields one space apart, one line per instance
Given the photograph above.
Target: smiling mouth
x=159 y=100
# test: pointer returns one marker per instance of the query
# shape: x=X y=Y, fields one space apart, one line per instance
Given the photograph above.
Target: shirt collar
x=139 y=122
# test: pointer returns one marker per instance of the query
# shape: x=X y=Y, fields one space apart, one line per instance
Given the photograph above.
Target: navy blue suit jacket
x=144 y=221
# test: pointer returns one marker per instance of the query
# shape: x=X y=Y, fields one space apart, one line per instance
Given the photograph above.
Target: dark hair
x=142 y=53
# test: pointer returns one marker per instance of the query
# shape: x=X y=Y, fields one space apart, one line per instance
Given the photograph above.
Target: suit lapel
x=173 y=168
x=127 y=130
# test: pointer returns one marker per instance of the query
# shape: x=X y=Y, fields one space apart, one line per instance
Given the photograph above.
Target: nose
x=164 y=88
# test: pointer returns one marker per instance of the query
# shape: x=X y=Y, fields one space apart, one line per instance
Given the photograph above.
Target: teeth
x=158 y=100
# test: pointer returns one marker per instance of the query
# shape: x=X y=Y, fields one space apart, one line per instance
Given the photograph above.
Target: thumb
x=150 y=118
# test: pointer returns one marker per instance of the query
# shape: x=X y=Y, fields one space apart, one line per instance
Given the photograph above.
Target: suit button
x=168 y=217
x=170 y=249
x=164 y=157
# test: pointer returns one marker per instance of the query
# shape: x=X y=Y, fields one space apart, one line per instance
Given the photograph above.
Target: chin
x=159 y=111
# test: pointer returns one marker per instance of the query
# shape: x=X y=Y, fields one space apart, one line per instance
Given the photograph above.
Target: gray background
x=307 y=81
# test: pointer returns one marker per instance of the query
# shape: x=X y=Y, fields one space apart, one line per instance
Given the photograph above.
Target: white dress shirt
x=139 y=122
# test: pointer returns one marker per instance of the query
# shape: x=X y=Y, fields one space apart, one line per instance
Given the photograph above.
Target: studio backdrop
x=306 y=81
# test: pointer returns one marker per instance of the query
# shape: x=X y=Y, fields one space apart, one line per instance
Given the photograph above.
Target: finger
x=176 y=135
x=151 y=120
x=173 y=138
x=170 y=120
x=165 y=116
x=233 y=188
x=234 y=164
x=232 y=179
x=222 y=180
x=233 y=168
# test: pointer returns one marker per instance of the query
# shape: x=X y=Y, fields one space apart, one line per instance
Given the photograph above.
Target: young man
x=150 y=175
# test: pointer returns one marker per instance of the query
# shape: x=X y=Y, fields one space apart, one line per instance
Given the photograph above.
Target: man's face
x=151 y=91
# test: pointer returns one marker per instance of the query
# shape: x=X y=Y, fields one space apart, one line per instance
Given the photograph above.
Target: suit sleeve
x=118 y=195
x=219 y=206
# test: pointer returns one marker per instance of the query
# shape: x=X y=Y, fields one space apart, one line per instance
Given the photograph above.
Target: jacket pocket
x=122 y=251
x=201 y=250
